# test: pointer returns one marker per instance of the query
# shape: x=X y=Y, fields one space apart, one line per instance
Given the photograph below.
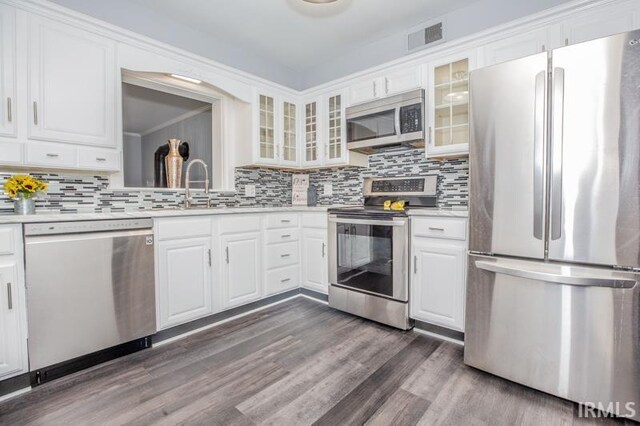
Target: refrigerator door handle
x=603 y=280
x=538 y=154
x=556 y=160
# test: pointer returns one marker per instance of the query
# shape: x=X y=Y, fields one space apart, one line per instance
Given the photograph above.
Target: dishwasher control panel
x=81 y=227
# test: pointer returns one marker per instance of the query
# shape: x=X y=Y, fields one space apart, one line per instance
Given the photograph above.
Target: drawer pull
x=101 y=159
x=285 y=221
x=285 y=255
x=431 y=228
x=9 y=296
x=286 y=236
x=285 y=280
x=50 y=155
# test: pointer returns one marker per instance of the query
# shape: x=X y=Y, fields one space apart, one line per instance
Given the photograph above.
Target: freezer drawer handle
x=613 y=282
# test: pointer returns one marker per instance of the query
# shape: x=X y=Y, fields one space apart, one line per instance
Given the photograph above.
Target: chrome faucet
x=187 y=182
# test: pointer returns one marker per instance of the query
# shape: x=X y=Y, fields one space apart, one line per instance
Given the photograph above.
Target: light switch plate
x=249 y=190
x=328 y=189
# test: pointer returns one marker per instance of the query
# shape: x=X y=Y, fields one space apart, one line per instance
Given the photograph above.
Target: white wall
x=479 y=16
x=142 y=20
x=132 y=159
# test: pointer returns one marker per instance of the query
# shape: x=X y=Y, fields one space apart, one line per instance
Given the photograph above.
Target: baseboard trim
x=440 y=332
x=13 y=386
x=183 y=330
x=312 y=294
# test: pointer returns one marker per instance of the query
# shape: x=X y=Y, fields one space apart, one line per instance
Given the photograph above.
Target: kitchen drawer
x=282 y=279
x=234 y=224
x=279 y=255
x=183 y=227
x=439 y=227
x=7 y=241
x=282 y=235
x=314 y=220
x=51 y=154
x=11 y=153
x=99 y=159
x=282 y=220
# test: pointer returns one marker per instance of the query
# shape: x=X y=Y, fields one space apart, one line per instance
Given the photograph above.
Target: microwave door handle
x=397 y=117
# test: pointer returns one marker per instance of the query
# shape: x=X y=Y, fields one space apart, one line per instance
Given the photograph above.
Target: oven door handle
x=349 y=221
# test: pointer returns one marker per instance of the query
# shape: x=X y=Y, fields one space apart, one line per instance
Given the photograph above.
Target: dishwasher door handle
x=597 y=280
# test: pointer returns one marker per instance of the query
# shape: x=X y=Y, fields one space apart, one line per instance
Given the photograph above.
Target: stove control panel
x=424 y=185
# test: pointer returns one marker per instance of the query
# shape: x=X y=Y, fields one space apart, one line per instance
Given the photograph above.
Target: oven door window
x=365 y=257
x=372 y=126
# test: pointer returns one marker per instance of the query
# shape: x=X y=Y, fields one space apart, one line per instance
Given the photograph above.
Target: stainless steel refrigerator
x=553 y=299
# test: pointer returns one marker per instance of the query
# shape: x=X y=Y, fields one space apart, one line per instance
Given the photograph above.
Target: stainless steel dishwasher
x=90 y=286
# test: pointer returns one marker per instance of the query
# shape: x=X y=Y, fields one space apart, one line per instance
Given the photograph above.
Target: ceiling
x=145 y=109
x=298 y=34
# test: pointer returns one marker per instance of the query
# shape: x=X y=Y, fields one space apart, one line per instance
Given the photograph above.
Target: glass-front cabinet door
x=449 y=99
x=266 y=128
x=365 y=257
x=289 y=132
x=311 y=154
x=336 y=135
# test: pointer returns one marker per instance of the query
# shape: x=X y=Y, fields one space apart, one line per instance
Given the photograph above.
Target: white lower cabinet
x=241 y=267
x=315 y=267
x=13 y=326
x=184 y=280
x=438 y=280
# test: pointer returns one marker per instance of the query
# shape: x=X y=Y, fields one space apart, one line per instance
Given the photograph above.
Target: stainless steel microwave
x=392 y=121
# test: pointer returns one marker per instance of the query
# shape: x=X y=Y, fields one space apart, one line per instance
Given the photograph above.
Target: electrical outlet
x=328 y=189
x=250 y=191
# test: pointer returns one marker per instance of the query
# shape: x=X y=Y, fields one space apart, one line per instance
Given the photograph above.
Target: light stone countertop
x=451 y=212
x=44 y=216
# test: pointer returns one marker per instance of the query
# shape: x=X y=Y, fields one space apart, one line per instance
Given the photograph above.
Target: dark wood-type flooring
x=296 y=363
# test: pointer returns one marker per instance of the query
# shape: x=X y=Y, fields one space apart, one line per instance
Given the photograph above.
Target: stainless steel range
x=369 y=250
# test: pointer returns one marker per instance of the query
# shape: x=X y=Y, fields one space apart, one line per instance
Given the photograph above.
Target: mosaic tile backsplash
x=73 y=193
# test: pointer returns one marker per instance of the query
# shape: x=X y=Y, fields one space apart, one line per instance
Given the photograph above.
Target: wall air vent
x=426 y=36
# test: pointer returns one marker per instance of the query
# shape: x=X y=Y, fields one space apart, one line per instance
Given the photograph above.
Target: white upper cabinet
x=515 y=46
x=278 y=131
x=312 y=148
x=71 y=84
x=8 y=99
x=449 y=104
x=601 y=21
x=394 y=81
x=335 y=149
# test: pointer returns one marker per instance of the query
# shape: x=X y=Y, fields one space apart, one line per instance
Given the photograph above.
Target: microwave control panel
x=411 y=118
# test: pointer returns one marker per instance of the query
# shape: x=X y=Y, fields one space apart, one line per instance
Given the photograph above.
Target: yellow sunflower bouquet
x=24 y=186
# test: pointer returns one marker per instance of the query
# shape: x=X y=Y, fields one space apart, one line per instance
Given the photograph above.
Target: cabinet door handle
x=226 y=251
x=386 y=85
x=9 y=112
x=35 y=113
x=431 y=228
x=9 y=296
x=209 y=257
x=415 y=264
x=375 y=89
x=323 y=246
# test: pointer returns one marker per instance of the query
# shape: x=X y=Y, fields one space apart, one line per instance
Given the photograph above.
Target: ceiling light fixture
x=320 y=1
x=189 y=79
